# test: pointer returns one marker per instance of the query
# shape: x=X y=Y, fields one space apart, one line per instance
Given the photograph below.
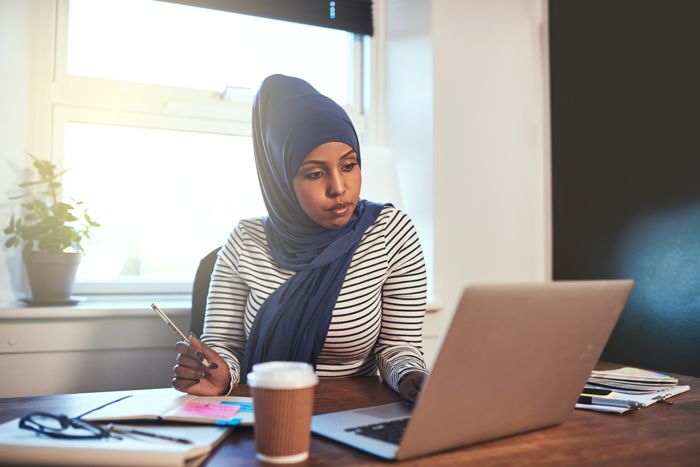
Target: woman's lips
x=340 y=209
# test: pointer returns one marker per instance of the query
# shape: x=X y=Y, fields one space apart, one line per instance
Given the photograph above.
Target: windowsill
x=107 y=306
x=104 y=306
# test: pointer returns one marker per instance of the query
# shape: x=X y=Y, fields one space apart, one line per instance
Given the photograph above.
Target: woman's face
x=327 y=184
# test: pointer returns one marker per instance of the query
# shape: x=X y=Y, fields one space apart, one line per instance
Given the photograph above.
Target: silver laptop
x=515 y=358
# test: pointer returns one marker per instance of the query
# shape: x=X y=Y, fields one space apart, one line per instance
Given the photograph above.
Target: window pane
x=164 y=198
x=177 y=45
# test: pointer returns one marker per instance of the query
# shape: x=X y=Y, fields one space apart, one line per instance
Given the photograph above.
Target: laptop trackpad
x=386 y=412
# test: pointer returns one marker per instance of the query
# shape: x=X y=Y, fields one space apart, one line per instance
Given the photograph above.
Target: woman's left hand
x=411 y=385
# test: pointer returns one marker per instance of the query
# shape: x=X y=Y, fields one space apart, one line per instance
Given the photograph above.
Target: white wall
x=18 y=56
x=408 y=100
x=483 y=166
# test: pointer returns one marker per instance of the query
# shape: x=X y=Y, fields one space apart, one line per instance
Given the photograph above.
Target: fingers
x=194 y=356
x=407 y=390
x=184 y=385
x=411 y=385
x=188 y=361
x=213 y=357
x=418 y=380
x=411 y=395
x=185 y=348
x=185 y=372
x=199 y=369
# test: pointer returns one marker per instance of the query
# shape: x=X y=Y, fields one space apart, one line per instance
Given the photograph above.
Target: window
x=151 y=107
x=164 y=197
x=159 y=43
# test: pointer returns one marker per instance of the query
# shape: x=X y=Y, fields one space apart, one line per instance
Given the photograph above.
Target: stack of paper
x=627 y=388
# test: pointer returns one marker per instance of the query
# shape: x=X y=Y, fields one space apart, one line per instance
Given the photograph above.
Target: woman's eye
x=314 y=175
x=349 y=167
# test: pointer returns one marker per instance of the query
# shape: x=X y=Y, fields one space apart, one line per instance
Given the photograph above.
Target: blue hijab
x=290 y=119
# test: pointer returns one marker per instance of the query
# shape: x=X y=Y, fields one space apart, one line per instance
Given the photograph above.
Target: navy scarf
x=290 y=119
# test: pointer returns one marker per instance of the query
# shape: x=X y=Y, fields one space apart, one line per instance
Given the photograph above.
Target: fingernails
x=213 y=366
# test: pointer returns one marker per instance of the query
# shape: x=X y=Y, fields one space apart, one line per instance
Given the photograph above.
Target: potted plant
x=50 y=232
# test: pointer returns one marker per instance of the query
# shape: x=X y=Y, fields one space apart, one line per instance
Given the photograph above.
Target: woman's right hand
x=192 y=376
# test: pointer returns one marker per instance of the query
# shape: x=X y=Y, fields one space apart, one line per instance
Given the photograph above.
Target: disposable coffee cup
x=283 y=400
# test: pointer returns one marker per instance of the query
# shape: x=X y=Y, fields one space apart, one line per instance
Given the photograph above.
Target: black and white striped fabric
x=377 y=323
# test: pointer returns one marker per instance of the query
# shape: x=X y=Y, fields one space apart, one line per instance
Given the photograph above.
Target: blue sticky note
x=232 y=422
x=245 y=406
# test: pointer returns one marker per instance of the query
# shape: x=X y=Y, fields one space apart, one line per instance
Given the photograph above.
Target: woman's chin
x=336 y=222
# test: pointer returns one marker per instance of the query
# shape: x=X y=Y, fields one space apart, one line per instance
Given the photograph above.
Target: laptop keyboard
x=391 y=431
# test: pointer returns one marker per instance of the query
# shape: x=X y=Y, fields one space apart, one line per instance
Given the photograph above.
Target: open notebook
x=170 y=405
x=18 y=446
x=23 y=447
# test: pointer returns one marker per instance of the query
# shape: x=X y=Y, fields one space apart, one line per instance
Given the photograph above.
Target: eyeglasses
x=61 y=426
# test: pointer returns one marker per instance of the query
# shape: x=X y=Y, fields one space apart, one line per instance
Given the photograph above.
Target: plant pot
x=51 y=275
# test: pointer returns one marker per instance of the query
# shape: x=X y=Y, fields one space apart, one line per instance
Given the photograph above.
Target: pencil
x=174 y=328
x=123 y=430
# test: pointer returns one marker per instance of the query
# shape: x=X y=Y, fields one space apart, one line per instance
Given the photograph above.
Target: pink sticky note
x=213 y=411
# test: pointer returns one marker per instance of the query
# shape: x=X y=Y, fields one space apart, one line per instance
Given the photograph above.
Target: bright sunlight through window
x=164 y=198
x=161 y=43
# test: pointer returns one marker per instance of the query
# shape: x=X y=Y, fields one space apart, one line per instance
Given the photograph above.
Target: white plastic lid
x=282 y=375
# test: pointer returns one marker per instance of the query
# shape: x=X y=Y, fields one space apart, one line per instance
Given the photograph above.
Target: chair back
x=200 y=290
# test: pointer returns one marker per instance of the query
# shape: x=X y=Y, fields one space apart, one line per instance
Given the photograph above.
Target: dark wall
x=625 y=77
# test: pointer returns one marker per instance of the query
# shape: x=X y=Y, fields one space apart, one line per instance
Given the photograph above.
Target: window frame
x=110 y=102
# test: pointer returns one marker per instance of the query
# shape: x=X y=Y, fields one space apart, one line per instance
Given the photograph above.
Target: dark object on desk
x=73 y=300
x=112 y=428
x=200 y=290
x=61 y=426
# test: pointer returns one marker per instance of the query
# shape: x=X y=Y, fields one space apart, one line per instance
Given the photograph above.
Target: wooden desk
x=657 y=435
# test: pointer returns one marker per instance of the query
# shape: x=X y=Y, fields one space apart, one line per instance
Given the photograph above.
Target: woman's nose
x=336 y=186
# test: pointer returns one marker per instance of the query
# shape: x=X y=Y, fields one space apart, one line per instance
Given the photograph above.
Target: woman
x=327 y=278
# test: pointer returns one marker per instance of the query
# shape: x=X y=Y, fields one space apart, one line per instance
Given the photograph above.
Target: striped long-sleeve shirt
x=377 y=321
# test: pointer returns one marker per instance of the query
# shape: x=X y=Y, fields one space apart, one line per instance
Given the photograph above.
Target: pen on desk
x=115 y=429
x=173 y=327
x=588 y=400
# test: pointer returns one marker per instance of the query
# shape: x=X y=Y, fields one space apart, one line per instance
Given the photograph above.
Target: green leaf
x=47 y=223
x=32 y=183
x=62 y=205
x=11 y=227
